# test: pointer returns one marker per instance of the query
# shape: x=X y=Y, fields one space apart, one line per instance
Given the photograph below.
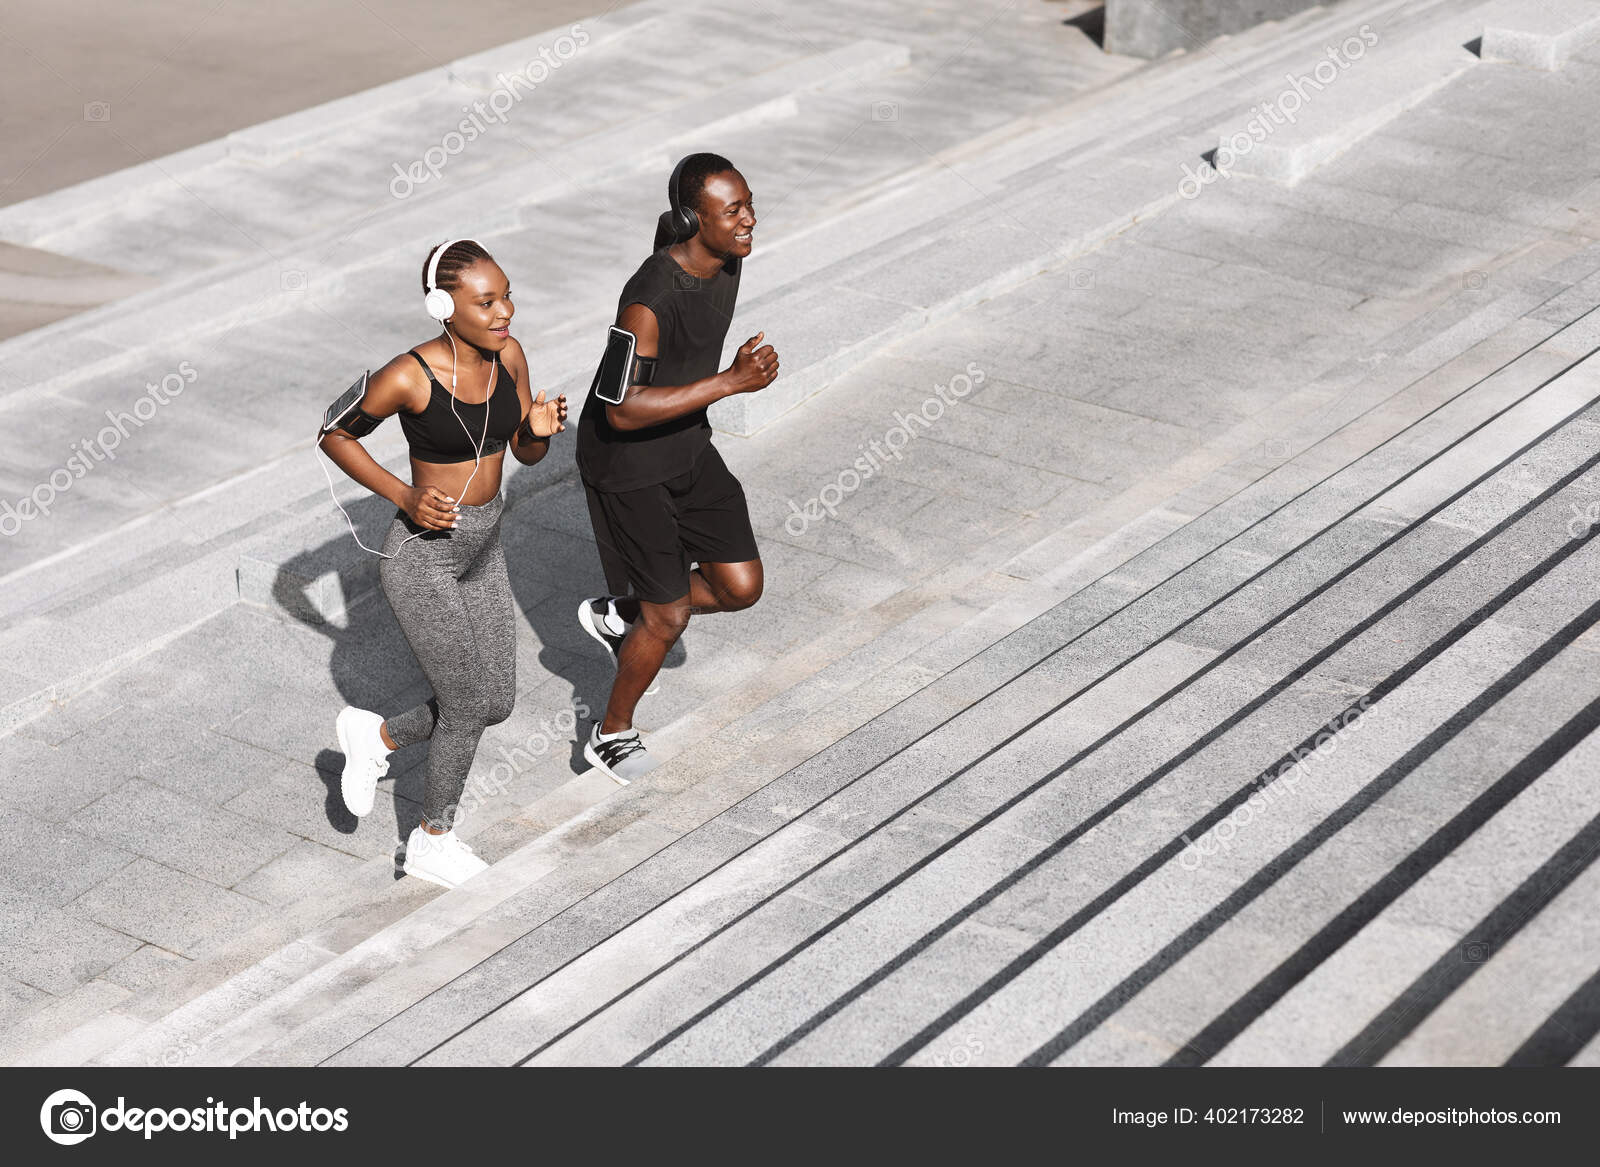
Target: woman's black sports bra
x=435 y=434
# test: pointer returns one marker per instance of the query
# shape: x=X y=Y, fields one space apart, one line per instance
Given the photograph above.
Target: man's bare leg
x=713 y=587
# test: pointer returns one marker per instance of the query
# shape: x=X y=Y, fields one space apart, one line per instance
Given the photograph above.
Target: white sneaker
x=441 y=859
x=598 y=616
x=366 y=758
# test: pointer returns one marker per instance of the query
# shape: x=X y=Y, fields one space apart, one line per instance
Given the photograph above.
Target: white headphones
x=439 y=303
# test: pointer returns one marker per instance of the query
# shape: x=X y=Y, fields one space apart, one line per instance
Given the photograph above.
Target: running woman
x=444 y=572
x=669 y=518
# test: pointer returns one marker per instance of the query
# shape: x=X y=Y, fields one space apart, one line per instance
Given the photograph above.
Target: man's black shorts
x=649 y=537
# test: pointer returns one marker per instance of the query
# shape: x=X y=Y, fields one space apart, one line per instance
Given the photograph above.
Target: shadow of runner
x=333 y=590
x=563 y=677
x=554 y=567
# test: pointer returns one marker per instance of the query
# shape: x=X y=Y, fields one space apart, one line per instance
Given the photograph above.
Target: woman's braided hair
x=462 y=254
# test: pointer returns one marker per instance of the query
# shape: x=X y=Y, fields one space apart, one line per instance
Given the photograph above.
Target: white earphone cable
x=477 y=452
x=494 y=378
x=348 y=522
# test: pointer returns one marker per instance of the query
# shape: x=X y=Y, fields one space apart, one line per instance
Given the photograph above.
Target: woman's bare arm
x=397 y=385
x=540 y=418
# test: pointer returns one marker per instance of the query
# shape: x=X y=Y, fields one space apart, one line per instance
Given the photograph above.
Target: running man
x=670 y=519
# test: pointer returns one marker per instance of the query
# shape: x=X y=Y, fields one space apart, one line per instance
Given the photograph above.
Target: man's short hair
x=697 y=168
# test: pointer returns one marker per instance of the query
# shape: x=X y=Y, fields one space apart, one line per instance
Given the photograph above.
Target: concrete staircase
x=1024 y=815
x=874 y=842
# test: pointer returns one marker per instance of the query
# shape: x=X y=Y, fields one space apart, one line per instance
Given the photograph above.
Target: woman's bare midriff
x=451 y=477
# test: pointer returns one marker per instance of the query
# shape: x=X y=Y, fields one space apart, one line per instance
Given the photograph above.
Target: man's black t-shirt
x=693 y=316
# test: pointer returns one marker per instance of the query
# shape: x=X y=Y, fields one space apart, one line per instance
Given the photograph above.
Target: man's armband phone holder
x=621 y=367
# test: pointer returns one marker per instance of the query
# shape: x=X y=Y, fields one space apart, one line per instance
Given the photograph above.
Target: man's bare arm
x=651 y=405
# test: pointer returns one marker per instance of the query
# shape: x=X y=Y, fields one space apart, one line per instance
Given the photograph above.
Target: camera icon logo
x=292 y=281
x=885 y=111
x=68 y=1117
x=97 y=111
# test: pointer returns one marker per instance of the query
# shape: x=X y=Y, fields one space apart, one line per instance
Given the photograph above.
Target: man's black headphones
x=680 y=222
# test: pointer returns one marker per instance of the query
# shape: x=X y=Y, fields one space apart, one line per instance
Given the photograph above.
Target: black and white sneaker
x=599 y=618
x=620 y=756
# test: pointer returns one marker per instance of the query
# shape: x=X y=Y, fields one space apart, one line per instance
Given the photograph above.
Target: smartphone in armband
x=615 y=374
x=345 y=412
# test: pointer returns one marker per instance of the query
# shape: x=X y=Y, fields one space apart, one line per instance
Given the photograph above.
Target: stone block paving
x=703 y=1010
x=185 y=799
x=1369 y=868
x=367 y=312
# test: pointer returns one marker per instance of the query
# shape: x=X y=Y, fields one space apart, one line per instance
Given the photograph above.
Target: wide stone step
x=1346 y=97
x=1538 y=36
x=886 y=913
x=772 y=796
x=326 y=277
x=1157 y=1016
x=1284 y=875
x=1546 y=922
x=603 y=836
x=248 y=289
x=886 y=918
x=1447 y=836
x=72 y=220
x=336 y=162
x=1528 y=965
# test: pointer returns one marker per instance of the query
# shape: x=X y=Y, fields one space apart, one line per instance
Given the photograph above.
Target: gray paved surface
x=103 y=86
x=179 y=74
x=884 y=852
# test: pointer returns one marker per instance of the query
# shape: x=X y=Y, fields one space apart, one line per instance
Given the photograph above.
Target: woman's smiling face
x=483 y=307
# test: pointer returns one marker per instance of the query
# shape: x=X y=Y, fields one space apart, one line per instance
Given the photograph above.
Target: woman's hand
x=545 y=417
x=430 y=507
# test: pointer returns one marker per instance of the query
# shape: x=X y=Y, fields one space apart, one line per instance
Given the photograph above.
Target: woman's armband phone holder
x=346 y=413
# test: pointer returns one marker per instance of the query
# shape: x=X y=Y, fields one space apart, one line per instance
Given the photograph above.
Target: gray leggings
x=450 y=593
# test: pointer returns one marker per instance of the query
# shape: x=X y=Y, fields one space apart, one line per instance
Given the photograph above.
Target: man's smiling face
x=727 y=213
